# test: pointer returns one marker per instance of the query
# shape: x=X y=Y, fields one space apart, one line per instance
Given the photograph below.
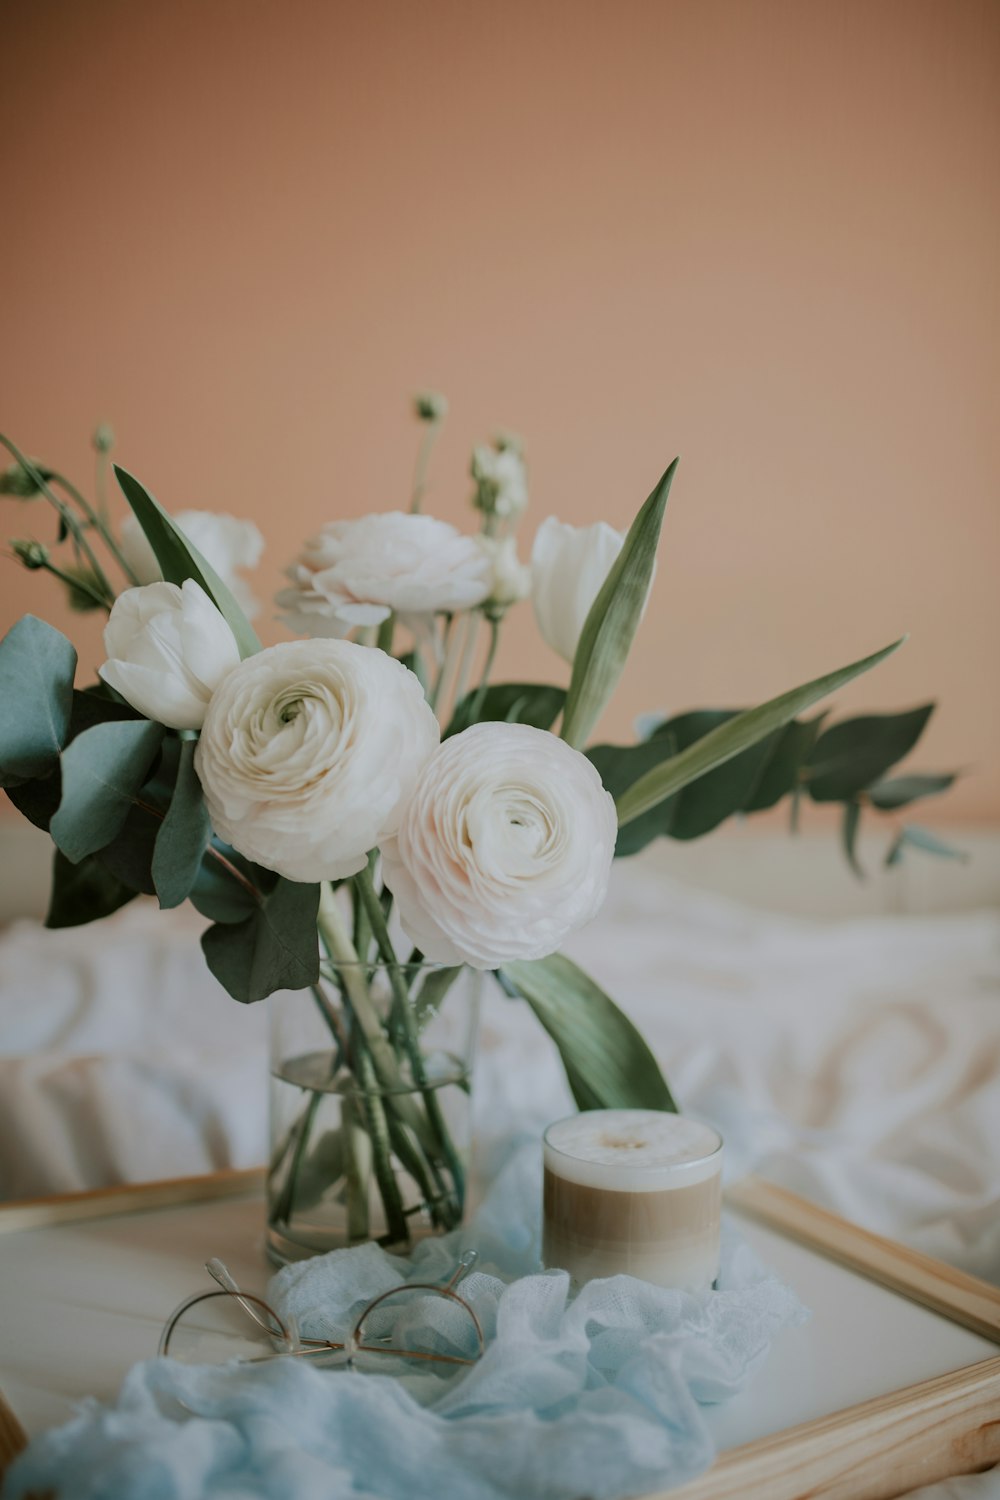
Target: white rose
x=309 y=753
x=504 y=849
x=511 y=577
x=568 y=566
x=168 y=650
x=357 y=573
x=224 y=541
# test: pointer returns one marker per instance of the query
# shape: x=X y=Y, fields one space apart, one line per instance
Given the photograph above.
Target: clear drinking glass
x=370 y=1120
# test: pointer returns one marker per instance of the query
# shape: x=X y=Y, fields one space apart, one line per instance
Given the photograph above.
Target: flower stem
x=484 y=681
x=100 y=525
x=422 y=465
x=66 y=516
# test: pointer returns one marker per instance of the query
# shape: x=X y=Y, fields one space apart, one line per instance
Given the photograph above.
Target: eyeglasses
x=285 y=1339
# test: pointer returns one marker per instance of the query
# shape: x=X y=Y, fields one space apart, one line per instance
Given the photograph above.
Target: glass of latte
x=633 y=1191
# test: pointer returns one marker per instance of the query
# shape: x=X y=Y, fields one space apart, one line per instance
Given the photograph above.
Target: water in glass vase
x=356 y=1155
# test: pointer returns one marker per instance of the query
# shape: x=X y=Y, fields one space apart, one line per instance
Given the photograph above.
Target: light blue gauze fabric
x=598 y=1395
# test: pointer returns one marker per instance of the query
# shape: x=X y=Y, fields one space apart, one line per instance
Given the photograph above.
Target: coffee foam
x=632 y=1150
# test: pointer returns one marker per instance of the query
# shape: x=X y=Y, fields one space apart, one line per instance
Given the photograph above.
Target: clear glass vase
x=370 y=1111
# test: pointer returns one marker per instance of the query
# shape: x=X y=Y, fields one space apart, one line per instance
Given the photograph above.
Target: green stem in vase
x=357 y=1169
x=411 y=1040
x=397 y=1231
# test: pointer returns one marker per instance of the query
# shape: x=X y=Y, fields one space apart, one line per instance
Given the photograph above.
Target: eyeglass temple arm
x=220 y=1272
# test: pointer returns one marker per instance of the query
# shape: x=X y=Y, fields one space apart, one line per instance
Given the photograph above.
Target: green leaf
x=37 y=800
x=619 y=767
x=610 y=627
x=228 y=887
x=180 y=559
x=102 y=770
x=921 y=838
x=532 y=703
x=850 y=755
x=277 y=948
x=781 y=774
x=84 y=892
x=607 y=1062
x=714 y=797
x=729 y=739
x=183 y=835
x=849 y=836
x=899 y=791
x=37 y=664
x=430 y=997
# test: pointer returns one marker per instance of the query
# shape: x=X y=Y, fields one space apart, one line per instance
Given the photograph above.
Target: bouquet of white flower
x=322 y=800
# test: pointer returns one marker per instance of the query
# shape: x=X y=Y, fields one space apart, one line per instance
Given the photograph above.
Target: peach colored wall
x=762 y=234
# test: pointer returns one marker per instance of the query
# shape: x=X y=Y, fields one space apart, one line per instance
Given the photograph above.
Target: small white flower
x=502 y=480
x=309 y=753
x=504 y=849
x=357 y=573
x=168 y=650
x=226 y=542
x=511 y=577
x=568 y=567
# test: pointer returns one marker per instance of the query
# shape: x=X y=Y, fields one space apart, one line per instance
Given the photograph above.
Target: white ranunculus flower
x=511 y=577
x=224 y=541
x=504 y=849
x=568 y=566
x=310 y=751
x=357 y=573
x=168 y=649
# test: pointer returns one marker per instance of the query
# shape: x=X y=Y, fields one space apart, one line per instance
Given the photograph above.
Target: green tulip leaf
x=733 y=737
x=607 y=1062
x=37 y=664
x=613 y=620
x=180 y=559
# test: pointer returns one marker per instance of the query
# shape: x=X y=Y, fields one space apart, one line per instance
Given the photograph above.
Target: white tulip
x=168 y=649
x=504 y=849
x=568 y=566
x=309 y=753
x=224 y=541
x=357 y=573
x=511 y=577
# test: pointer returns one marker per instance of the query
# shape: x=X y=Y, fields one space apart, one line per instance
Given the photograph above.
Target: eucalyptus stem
x=422 y=465
x=66 y=515
x=100 y=525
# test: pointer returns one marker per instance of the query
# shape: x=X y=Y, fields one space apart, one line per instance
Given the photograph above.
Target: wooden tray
x=879 y=1448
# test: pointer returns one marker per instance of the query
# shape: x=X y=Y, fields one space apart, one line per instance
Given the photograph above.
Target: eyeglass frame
x=301 y=1347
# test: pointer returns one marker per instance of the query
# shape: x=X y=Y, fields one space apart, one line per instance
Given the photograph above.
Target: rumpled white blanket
x=857 y=1062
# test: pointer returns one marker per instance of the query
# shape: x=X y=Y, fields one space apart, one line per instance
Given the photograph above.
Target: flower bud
x=430 y=406
x=103 y=438
x=32 y=554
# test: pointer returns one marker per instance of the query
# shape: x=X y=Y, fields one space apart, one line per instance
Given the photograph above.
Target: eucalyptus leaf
x=277 y=948
x=37 y=664
x=84 y=892
x=534 y=703
x=780 y=775
x=180 y=559
x=735 y=736
x=227 y=887
x=38 y=800
x=613 y=620
x=430 y=996
x=900 y=791
x=607 y=1062
x=102 y=770
x=849 y=836
x=850 y=755
x=183 y=835
x=619 y=767
x=920 y=838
